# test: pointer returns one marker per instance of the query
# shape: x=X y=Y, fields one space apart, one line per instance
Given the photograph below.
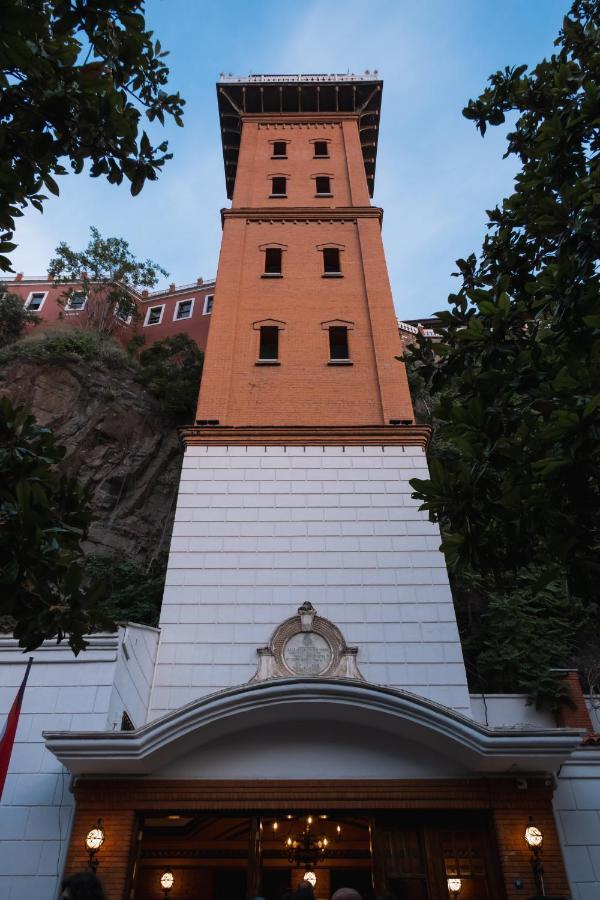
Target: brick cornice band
x=308 y=436
x=303 y=213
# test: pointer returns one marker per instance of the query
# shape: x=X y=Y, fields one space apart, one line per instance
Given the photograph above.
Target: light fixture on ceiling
x=306 y=847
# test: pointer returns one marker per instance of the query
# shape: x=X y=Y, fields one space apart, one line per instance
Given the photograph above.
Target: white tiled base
x=260 y=530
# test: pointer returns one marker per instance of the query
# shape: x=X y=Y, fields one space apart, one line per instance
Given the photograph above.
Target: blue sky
x=435 y=174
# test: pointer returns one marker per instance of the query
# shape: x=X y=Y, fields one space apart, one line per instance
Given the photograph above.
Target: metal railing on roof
x=295 y=79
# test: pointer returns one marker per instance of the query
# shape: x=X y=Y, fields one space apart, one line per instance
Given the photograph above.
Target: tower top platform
x=296 y=95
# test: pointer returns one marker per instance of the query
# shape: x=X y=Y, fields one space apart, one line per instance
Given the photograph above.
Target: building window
x=154 y=315
x=279 y=150
x=331 y=262
x=273 y=262
x=321 y=149
x=124 y=314
x=76 y=302
x=268 y=350
x=278 y=186
x=183 y=309
x=323 y=185
x=338 y=343
x=208 y=304
x=35 y=301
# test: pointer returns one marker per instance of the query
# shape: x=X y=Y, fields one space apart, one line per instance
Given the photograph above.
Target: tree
x=516 y=378
x=171 y=369
x=108 y=274
x=44 y=516
x=13 y=317
x=76 y=78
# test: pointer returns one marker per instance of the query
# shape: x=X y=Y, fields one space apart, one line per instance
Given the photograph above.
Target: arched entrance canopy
x=271 y=704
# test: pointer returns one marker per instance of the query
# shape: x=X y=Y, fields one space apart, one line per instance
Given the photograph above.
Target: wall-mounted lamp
x=93 y=841
x=454 y=886
x=310 y=877
x=167 y=880
x=534 y=839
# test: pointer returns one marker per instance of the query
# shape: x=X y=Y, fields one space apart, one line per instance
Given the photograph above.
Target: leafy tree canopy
x=77 y=78
x=13 y=317
x=44 y=516
x=171 y=370
x=516 y=378
x=106 y=272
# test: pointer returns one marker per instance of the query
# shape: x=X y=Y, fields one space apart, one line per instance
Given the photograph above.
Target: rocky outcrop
x=117 y=444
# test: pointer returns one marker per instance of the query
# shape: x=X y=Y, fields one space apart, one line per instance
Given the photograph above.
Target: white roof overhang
x=270 y=704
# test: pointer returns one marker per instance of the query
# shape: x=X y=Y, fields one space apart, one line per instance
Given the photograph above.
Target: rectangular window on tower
x=323 y=186
x=268 y=349
x=272 y=262
x=331 y=263
x=279 y=150
x=338 y=345
x=278 y=187
x=321 y=150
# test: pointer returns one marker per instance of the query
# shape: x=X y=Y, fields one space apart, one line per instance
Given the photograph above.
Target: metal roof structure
x=277 y=95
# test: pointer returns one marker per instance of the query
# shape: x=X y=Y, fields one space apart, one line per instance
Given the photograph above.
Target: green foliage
x=13 y=317
x=133 y=591
x=171 y=370
x=44 y=516
x=516 y=379
x=108 y=273
x=76 y=80
x=70 y=344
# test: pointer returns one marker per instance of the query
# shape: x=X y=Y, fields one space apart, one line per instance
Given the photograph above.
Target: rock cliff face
x=117 y=443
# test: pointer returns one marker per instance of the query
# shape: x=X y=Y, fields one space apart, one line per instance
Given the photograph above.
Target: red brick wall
x=303 y=389
x=116 y=802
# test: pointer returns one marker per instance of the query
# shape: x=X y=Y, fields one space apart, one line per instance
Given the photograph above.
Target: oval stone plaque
x=307 y=653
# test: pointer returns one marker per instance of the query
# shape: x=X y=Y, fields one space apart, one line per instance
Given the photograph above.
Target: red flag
x=7 y=738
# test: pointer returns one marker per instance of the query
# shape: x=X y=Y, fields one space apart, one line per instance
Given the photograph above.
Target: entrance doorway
x=400 y=855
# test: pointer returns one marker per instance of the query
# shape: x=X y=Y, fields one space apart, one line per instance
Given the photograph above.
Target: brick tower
x=295 y=480
x=307 y=668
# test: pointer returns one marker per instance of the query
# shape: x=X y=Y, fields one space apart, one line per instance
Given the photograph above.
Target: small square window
x=76 y=302
x=321 y=149
x=273 y=261
x=278 y=187
x=323 y=185
x=338 y=342
x=208 y=304
x=154 y=315
x=184 y=308
x=269 y=343
x=279 y=150
x=331 y=261
x=35 y=301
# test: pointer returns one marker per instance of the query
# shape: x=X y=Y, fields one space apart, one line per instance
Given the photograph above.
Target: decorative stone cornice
x=268 y=704
x=307 y=435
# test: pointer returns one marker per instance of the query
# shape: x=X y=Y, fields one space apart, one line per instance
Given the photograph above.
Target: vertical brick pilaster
x=576 y=714
x=113 y=856
x=511 y=811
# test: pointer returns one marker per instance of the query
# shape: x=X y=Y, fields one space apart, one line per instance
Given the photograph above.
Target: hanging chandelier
x=306 y=847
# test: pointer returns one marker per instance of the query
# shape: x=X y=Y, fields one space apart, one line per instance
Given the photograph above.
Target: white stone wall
x=260 y=530
x=509 y=711
x=134 y=674
x=577 y=812
x=84 y=693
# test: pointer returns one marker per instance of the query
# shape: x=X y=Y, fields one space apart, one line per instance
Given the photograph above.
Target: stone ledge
x=295 y=435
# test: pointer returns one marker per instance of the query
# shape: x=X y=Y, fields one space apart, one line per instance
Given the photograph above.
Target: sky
x=435 y=175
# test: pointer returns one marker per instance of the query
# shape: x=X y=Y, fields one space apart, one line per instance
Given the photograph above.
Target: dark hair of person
x=83 y=886
x=304 y=892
